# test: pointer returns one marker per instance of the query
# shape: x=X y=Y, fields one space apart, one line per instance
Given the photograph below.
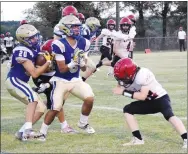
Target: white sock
x=64 y=124
x=44 y=128
x=28 y=125
x=84 y=119
x=22 y=128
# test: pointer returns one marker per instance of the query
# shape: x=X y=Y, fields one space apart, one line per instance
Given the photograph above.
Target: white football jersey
x=9 y=41
x=2 y=41
x=121 y=49
x=132 y=32
x=107 y=40
x=145 y=77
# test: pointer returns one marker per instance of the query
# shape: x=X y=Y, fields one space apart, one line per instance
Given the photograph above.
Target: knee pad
x=168 y=114
x=126 y=109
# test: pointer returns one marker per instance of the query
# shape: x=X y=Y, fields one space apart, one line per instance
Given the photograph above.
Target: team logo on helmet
x=70 y=26
x=93 y=23
x=28 y=35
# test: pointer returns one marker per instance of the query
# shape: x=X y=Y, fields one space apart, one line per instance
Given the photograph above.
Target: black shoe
x=35 y=89
x=99 y=64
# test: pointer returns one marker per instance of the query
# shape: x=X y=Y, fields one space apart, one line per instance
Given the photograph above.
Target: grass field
x=106 y=117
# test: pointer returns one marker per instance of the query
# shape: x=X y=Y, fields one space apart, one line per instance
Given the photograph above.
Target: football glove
x=82 y=62
x=72 y=64
x=41 y=88
x=47 y=56
x=78 y=54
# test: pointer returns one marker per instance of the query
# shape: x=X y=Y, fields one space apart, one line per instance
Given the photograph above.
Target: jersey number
x=109 y=41
x=22 y=53
x=151 y=95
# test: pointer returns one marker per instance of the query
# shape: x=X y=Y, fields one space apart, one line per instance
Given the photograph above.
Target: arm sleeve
x=58 y=49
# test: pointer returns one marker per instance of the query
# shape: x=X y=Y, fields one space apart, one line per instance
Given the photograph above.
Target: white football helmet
x=70 y=26
x=25 y=33
x=57 y=31
x=93 y=23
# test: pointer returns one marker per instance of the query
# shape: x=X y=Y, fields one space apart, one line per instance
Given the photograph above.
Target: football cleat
x=18 y=135
x=69 y=130
x=28 y=134
x=134 y=141
x=86 y=127
x=40 y=137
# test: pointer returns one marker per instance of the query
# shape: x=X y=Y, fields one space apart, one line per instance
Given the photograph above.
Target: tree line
x=154 y=18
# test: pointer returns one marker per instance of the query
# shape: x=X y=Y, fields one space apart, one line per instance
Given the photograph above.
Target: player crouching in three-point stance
x=69 y=61
x=140 y=83
x=22 y=67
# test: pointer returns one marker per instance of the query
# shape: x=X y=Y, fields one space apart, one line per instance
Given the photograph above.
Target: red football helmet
x=125 y=70
x=132 y=18
x=2 y=35
x=47 y=46
x=111 y=24
x=81 y=17
x=7 y=33
x=68 y=10
x=125 y=22
x=23 y=22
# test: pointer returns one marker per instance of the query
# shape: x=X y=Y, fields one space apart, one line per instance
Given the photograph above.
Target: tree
x=141 y=7
x=47 y=14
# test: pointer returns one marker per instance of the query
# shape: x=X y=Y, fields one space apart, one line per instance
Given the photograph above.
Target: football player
x=65 y=128
x=140 y=83
x=132 y=35
x=23 y=22
x=107 y=44
x=81 y=17
x=22 y=67
x=89 y=30
x=44 y=86
x=69 y=10
x=68 y=55
x=121 y=40
x=4 y=55
x=8 y=41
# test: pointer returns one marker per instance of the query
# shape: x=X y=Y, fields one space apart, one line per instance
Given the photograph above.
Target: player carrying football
x=22 y=67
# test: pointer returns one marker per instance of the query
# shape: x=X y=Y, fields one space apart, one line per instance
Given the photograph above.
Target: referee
x=181 y=38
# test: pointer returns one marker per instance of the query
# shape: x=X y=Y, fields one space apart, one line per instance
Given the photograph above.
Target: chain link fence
x=153 y=43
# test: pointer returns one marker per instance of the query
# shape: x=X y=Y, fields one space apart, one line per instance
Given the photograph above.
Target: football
x=40 y=60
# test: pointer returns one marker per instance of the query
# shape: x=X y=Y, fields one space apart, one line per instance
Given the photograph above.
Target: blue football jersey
x=21 y=52
x=62 y=47
x=86 y=33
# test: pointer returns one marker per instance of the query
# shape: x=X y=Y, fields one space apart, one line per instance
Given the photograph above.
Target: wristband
x=71 y=65
x=128 y=93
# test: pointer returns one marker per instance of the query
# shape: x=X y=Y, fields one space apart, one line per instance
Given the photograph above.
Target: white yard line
x=97 y=107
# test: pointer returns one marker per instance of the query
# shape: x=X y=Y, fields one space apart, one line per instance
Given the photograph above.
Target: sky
x=14 y=10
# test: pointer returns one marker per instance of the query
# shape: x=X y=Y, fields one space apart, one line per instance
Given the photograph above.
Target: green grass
x=170 y=69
